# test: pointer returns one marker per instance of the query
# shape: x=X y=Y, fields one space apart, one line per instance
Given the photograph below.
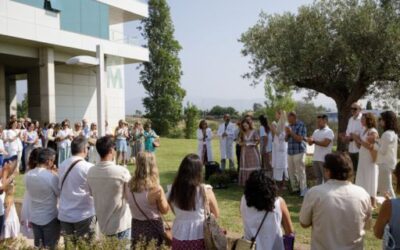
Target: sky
x=212 y=65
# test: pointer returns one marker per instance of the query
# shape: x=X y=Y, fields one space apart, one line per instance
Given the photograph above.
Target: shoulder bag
x=242 y=244
x=214 y=236
x=166 y=233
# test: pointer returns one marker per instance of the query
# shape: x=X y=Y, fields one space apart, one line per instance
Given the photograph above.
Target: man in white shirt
x=354 y=127
x=226 y=134
x=108 y=182
x=76 y=207
x=42 y=186
x=322 y=138
x=337 y=210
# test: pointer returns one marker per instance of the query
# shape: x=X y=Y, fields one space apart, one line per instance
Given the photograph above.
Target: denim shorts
x=121 y=145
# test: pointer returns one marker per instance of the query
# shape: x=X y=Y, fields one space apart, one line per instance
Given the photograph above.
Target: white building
x=37 y=37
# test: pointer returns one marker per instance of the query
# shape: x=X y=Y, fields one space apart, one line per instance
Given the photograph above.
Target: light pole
x=99 y=62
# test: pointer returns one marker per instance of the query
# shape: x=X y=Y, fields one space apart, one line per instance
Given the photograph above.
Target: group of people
x=23 y=135
x=76 y=194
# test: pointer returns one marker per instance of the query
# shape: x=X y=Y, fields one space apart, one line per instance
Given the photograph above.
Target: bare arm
x=213 y=202
x=383 y=219
x=286 y=220
x=162 y=202
x=325 y=143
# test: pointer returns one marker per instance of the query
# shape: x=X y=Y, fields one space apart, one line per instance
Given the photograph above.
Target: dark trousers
x=354 y=159
x=84 y=229
x=1 y=223
x=47 y=236
x=238 y=150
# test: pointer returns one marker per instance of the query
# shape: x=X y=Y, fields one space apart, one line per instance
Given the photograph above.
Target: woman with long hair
x=387 y=152
x=261 y=200
x=26 y=229
x=51 y=139
x=11 y=226
x=187 y=198
x=279 y=149
x=265 y=144
x=147 y=201
x=204 y=137
x=250 y=156
x=367 y=170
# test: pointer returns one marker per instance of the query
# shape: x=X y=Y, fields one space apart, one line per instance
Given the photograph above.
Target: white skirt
x=11 y=226
x=280 y=174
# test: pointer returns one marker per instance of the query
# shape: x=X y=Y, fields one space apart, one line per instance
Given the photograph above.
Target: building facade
x=38 y=37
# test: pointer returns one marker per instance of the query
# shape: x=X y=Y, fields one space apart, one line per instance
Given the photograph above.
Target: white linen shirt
x=387 y=149
x=76 y=202
x=338 y=212
x=42 y=186
x=66 y=142
x=354 y=126
x=320 y=135
x=107 y=183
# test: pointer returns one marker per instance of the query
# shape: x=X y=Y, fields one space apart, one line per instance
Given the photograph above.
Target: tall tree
x=162 y=74
x=345 y=49
x=369 y=105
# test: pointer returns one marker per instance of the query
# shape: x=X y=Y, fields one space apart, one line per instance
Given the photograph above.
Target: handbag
x=166 y=233
x=388 y=239
x=242 y=243
x=288 y=241
x=214 y=236
x=156 y=143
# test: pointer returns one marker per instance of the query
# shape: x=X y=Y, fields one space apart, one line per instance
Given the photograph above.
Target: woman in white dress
x=387 y=152
x=11 y=227
x=262 y=208
x=367 y=171
x=204 y=137
x=93 y=136
x=279 y=149
x=186 y=199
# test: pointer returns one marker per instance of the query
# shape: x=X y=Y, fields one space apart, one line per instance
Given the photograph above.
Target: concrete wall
x=76 y=94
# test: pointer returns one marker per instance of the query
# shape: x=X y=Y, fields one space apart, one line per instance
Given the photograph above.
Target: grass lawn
x=169 y=156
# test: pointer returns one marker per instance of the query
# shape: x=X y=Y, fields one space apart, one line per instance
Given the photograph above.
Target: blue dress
x=149 y=137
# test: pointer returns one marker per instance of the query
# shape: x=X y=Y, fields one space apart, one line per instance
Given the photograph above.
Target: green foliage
x=162 y=74
x=307 y=112
x=221 y=111
x=369 y=106
x=344 y=49
x=277 y=99
x=22 y=108
x=192 y=115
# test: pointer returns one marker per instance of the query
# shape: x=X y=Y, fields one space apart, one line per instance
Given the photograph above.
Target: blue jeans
x=124 y=235
x=1 y=160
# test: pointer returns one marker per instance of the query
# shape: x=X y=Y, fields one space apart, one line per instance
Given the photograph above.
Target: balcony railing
x=120 y=37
